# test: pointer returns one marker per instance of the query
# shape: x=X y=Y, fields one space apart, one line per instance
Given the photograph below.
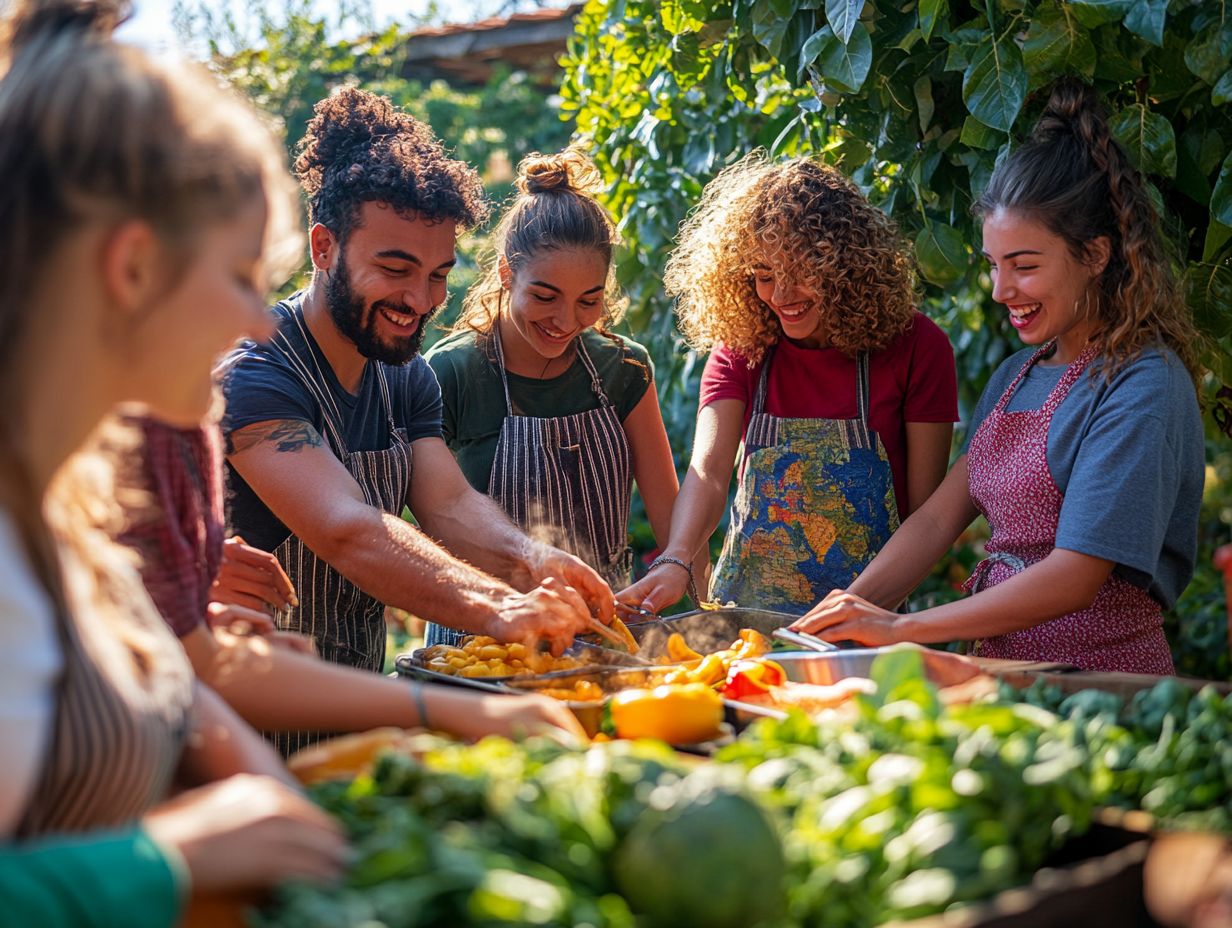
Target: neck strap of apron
x=862 y=403
x=596 y=385
x=316 y=381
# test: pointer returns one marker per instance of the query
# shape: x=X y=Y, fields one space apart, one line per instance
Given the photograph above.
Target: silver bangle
x=692 y=588
x=417 y=688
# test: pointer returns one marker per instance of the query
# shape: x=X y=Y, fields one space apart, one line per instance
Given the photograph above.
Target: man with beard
x=335 y=425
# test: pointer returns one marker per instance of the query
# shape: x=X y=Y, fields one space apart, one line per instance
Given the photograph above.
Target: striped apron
x=815 y=503
x=346 y=623
x=565 y=480
x=121 y=717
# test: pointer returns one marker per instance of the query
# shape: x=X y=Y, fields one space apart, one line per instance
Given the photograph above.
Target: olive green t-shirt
x=475 y=401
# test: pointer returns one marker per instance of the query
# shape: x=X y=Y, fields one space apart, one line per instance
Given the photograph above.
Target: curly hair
x=1075 y=179
x=555 y=209
x=359 y=148
x=813 y=227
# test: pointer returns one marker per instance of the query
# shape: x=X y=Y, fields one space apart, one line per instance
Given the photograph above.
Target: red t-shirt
x=911 y=380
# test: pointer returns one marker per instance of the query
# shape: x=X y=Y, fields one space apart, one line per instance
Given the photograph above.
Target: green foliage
x=917 y=102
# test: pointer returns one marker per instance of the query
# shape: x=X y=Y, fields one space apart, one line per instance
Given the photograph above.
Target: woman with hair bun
x=545 y=409
x=1086 y=451
x=842 y=394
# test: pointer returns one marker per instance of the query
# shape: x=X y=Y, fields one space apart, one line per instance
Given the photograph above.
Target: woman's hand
x=843 y=616
x=517 y=717
x=660 y=588
x=251 y=578
x=248 y=832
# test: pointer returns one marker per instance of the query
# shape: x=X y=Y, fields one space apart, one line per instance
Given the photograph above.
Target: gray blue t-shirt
x=259 y=386
x=1129 y=458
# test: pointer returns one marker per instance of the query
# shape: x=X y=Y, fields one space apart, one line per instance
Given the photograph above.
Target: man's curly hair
x=359 y=148
x=808 y=223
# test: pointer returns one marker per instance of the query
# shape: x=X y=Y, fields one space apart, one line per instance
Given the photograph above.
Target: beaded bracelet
x=692 y=588
x=420 y=707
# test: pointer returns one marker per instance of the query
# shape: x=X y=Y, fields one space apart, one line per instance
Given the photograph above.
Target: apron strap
x=759 y=395
x=383 y=381
x=500 y=365
x=862 y=364
x=330 y=412
x=596 y=384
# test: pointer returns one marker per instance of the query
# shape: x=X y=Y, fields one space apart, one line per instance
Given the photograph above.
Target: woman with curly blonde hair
x=843 y=394
x=1087 y=452
x=544 y=408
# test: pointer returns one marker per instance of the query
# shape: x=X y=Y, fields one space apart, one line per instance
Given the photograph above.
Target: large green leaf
x=1217 y=237
x=924 y=105
x=932 y=13
x=769 y=27
x=1146 y=20
x=1221 y=197
x=977 y=135
x=1221 y=93
x=1057 y=41
x=1209 y=288
x=846 y=66
x=1092 y=13
x=1205 y=55
x=941 y=253
x=1148 y=137
x=843 y=16
x=995 y=84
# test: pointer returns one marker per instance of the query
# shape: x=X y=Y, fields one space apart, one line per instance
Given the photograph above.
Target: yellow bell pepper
x=677 y=714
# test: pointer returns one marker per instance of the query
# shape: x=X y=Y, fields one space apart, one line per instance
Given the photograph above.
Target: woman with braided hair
x=1086 y=450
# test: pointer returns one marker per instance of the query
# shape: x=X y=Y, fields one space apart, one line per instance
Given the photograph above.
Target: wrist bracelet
x=417 y=694
x=692 y=588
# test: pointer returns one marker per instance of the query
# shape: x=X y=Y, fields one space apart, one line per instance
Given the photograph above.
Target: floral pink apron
x=1122 y=630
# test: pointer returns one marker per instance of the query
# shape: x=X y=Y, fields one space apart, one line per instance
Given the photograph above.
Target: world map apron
x=566 y=480
x=346 y=623
x=1011 y=484
x=815 y=503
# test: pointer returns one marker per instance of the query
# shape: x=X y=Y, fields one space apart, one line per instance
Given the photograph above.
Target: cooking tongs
x=803 y=640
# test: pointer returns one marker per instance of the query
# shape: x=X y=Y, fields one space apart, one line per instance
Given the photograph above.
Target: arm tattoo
x=284 y=434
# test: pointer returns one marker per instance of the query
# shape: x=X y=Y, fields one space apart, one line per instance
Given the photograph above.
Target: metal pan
x=598 y=660
x=706 y=630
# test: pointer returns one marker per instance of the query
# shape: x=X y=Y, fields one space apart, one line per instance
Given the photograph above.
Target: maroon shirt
x=181 y=545
x=911 y=380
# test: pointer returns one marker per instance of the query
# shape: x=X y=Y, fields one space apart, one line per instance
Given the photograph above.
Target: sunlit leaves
x=995 y=84
x=941 y=253
x=1148 y=137
x=843 y=16
x=844 y=67
x=1056 y=42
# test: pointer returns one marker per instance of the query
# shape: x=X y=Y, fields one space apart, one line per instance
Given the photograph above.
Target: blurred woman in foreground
x=138 y=216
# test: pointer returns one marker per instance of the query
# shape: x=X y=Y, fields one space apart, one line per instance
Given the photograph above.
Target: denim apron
x=815 y=503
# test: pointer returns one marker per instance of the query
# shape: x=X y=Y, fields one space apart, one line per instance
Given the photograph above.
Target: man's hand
x=251 y=578
x=553 y=612
x=543 y=562
x=843 y=616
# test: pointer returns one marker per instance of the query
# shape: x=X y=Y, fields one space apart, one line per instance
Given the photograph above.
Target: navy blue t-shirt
x=260 y=386
x=1129 y=458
